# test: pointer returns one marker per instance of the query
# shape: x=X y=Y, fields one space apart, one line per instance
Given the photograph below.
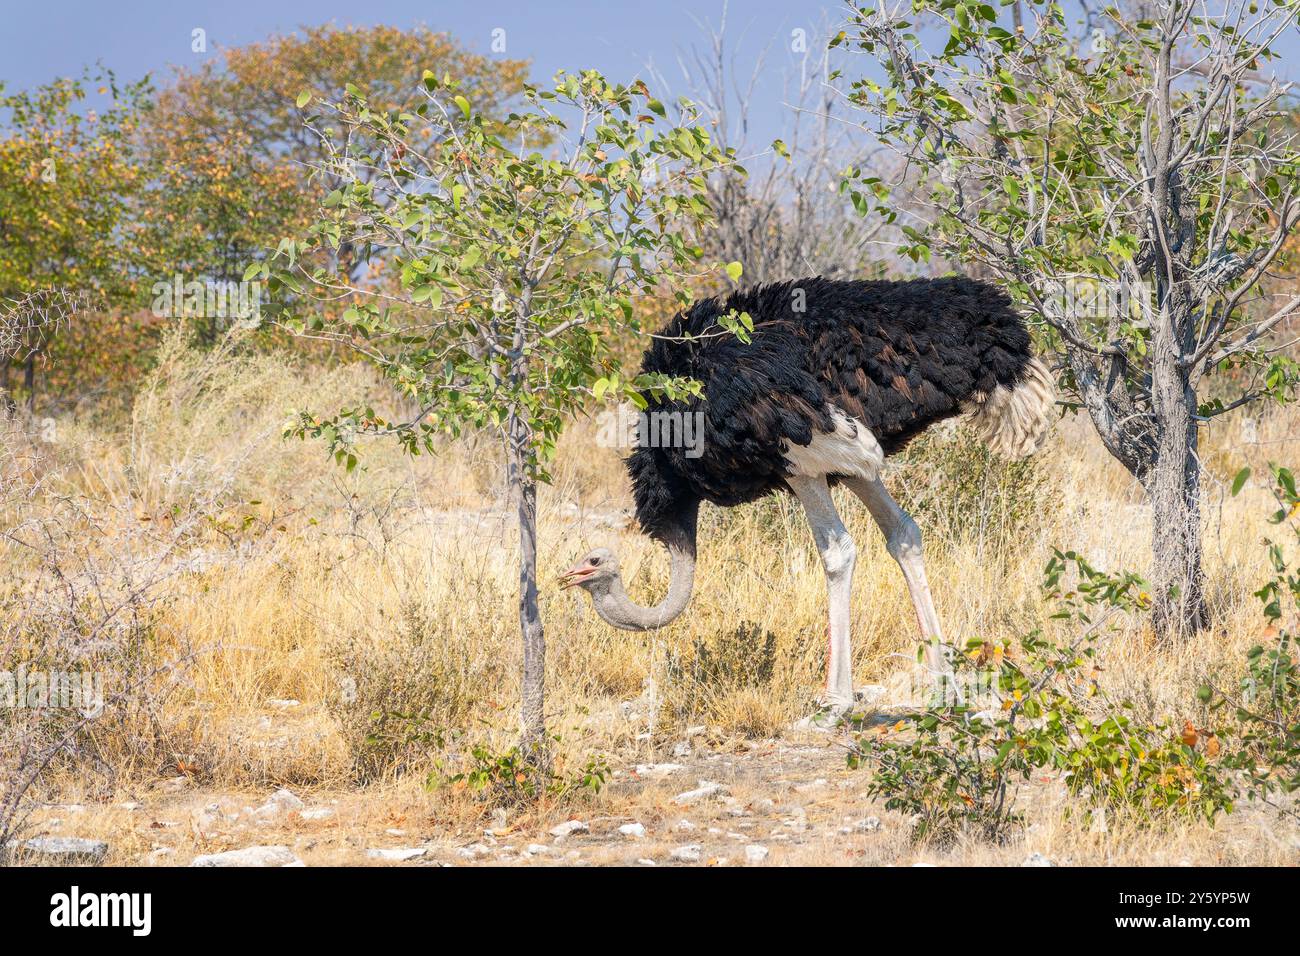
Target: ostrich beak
x=575 y=576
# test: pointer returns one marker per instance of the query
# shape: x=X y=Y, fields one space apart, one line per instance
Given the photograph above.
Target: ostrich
x=837 y=375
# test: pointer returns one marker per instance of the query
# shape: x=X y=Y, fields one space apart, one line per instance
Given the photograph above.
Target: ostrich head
x=593 y=573
x=598 y=575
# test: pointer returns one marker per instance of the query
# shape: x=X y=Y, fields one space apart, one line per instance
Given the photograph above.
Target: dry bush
x=86 y=673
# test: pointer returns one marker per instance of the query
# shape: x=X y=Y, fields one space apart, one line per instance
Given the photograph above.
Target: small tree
x=67 y=175
x=1150 y=159
x=499 y=273
x=229 y=157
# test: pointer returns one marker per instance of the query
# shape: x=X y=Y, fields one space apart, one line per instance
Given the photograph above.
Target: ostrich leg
x=838 y=553
x=903 y=539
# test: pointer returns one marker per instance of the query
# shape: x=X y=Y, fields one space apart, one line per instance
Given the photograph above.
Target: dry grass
x=392 y=592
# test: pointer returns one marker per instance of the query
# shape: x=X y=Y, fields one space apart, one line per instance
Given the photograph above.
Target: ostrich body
x=837 y=376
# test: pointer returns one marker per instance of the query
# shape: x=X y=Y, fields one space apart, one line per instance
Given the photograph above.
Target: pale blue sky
x=42 y=40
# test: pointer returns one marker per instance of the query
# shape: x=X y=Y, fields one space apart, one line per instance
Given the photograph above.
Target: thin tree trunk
x=1174 y=487
x=523 y=489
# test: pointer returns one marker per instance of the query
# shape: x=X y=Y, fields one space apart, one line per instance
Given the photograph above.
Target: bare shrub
x=955 y=487
x=399 y=693
x=83 y=679
x=726 y=679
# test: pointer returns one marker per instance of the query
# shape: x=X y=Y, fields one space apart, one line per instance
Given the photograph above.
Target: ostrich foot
x=827 y=718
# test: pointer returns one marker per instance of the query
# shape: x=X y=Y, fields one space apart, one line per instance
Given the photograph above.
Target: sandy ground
x=782 y=802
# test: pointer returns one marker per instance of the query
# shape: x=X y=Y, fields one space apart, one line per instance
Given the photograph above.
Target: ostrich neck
x=621 y=611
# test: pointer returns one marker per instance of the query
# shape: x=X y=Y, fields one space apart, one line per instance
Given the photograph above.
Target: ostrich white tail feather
x=1013 y=422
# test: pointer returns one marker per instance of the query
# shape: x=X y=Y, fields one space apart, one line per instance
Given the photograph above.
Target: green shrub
x=509 y=779
x=1262 y=714
x=1036 y=705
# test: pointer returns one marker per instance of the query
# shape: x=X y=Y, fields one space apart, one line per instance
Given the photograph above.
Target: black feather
x=897 y=355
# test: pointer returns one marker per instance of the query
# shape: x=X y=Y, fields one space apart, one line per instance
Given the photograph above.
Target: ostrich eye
x=595 y=562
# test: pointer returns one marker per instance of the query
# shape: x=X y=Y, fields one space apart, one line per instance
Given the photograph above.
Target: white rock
x=394 y=832
x=398 y=854
x=756 y=853
x=869 y=825
x=286 y=800
x=657 y=771
x=281 y=802
x=705 y=791
x=250 y=856
x=647 y=862
x=682 y=749
x=537 y=849
x=634 y=830
x=690 y=853
x=568 y=828
x=66 y=849
x=283 y=704
x=870 y=694
x=317 y=813
x=684 y=824
x=1037 y=859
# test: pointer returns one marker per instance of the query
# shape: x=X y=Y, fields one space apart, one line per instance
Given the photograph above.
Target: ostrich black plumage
x=836 y=376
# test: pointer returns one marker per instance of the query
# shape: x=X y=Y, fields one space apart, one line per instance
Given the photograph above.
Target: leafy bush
x=1263 y=713
x=508 y=778
x=1037 y=705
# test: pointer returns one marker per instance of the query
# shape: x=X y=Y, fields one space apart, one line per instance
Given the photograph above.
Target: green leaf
x=734 y=271
x=1240 y=481
x=463 y=104
x=303 y=99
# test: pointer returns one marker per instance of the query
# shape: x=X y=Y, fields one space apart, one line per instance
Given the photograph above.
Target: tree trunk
x=1174 y=487
x=534 y=744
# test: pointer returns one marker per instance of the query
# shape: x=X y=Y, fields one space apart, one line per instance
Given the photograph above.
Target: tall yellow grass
x=392 y=590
